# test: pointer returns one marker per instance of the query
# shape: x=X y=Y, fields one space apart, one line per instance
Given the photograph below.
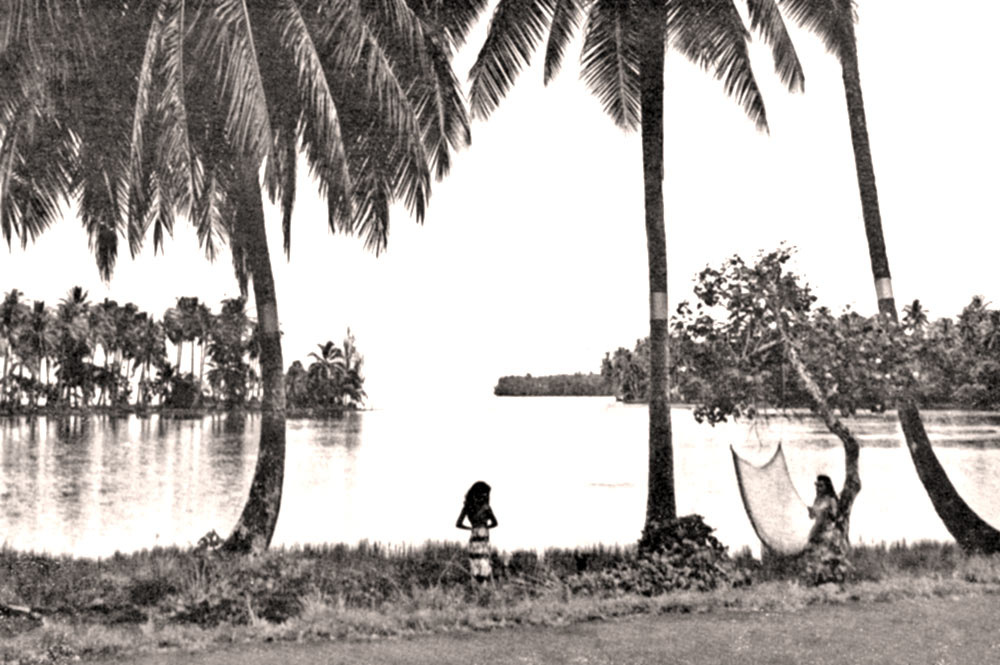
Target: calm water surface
x=565 y=472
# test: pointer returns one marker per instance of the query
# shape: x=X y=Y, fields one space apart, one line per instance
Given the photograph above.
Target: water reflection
x=90 y=485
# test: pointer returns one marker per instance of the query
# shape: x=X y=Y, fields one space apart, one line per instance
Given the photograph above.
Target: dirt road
x=939 y=631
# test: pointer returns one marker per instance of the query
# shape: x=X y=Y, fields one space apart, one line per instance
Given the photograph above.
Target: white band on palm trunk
x=883 y=288
x=268 y=318
x=658 y=306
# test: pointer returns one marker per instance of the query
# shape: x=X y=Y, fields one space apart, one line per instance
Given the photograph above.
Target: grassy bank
x=171 y=598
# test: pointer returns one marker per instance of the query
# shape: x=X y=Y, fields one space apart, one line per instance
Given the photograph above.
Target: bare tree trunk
x=255 y=528
x=852 y=450
x=660 y=502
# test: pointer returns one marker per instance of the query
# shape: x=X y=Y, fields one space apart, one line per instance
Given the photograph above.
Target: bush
x=677 y=554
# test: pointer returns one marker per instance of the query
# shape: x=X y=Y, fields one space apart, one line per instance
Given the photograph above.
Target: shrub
x=676 y=554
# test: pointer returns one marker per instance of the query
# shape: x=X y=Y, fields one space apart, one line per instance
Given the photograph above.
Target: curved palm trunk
x=660 y=500
x=968 y=529
x=255 y=527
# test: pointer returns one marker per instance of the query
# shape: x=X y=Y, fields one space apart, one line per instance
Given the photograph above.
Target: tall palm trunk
x=968 y=529
x=660 y=500
x=866 y=176
x=255 y=527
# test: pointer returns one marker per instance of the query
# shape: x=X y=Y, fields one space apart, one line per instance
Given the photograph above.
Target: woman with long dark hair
x=826 y=554
x=476 y=509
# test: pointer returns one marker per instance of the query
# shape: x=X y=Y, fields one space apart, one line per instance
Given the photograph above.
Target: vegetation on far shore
x=954 y=361
x=84 y=357
x=567 y=385
x=200 y=598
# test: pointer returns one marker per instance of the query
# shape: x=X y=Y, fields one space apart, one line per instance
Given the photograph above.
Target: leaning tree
x=833 y=21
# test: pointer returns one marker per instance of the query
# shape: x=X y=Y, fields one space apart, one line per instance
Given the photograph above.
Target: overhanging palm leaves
x=711 y=33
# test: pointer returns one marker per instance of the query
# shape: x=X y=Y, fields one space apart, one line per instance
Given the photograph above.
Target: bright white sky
x=533 y=258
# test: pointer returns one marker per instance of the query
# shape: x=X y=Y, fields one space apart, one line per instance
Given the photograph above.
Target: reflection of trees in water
x=70 y=428
x=352 y=430
x=227 y=445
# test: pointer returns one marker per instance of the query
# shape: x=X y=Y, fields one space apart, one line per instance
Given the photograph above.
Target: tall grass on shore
x=190 y=598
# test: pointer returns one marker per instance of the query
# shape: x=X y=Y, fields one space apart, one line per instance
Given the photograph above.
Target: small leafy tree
x=756 y=331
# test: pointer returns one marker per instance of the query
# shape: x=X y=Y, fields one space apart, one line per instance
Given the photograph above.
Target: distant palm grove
x=81 y=355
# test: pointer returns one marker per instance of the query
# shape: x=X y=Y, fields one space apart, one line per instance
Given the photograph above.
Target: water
x=565 y=472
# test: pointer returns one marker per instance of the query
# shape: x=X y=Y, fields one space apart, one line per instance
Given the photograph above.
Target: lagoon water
x=565 y=472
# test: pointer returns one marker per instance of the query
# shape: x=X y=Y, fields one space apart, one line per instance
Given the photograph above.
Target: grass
x=173 y=598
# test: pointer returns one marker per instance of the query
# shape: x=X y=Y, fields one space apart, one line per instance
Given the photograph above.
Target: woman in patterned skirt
x=481 y=519
x=826 y=554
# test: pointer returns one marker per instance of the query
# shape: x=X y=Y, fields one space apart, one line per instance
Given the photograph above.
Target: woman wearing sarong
x=481 y=519
x=826 y=553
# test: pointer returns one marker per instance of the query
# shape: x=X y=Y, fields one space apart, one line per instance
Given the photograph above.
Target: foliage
x=333 y=381
x=553 y=385
x=727 y=359
x=81 y=354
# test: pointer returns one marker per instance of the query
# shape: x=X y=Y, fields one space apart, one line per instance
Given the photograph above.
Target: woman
x=481 y=519
x=826 y=554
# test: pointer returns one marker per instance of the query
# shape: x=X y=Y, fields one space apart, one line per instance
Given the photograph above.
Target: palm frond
x=441 y=110
x=317 y=115
x=566 y=18
x=36 y=158
x=455 y=18
x=176 y=158
x=610 y=62
x=711 y=34
x=227 y=45
x=765 y=18
x=516 y=28
x=831 y=20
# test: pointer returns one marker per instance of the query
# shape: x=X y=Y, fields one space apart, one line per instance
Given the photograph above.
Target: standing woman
x=826 y=554
x=481 y=519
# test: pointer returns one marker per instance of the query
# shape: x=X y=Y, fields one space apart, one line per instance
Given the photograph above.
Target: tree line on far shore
x=82 y=355
x=568 y=385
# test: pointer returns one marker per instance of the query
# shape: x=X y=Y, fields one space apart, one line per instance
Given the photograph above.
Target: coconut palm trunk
x=660 y=501
x=255 y=528
x=866 y=177
x=968 y=529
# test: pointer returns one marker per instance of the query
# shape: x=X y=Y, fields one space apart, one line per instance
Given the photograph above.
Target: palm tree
x=13 y=313
x=915 y=316
x=326 y=373
x=150 y=349
x=174 y=329
x=833 y=21
x=74 y=347
x=39 y=340
x=622 y=63
x=201 y=97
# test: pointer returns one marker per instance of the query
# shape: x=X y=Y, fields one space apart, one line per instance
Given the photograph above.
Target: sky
x=532 y=258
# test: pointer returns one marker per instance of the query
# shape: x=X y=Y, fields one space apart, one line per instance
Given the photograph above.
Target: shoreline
x=171 y=413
